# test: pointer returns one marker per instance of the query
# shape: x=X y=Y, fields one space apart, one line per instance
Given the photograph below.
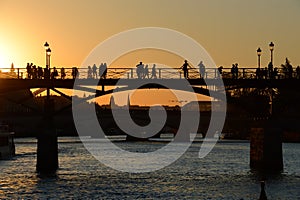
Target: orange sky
x=230 y=30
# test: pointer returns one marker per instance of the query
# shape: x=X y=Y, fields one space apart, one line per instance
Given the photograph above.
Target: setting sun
x=5 y=61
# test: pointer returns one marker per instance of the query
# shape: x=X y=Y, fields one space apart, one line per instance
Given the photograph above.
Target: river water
x=223 y=174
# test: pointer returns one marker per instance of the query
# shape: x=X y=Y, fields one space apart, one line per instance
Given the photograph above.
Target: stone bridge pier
x=266 y=148
x=47 y=146
x=266 y=143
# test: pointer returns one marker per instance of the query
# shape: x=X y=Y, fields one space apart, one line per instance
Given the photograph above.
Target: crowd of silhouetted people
x=287 y=71
x=37 y=72
x=271 y=72
x=94 y=72
x=143 y=72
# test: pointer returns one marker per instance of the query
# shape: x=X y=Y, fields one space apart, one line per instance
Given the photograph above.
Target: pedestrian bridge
x=209 y=84
x=15 y=79
x=161 y=73
x=18 y=78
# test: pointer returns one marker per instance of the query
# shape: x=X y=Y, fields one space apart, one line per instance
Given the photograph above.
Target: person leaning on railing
x=62 y=73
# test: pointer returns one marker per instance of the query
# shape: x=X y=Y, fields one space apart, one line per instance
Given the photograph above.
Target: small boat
x=7 y=146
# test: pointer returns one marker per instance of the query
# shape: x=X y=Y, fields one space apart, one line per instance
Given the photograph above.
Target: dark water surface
x=223 y=174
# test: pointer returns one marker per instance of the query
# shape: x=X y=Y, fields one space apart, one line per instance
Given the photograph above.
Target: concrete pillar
x=266 y=148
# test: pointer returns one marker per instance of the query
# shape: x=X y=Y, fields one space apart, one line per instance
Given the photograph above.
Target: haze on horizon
x=229 y=30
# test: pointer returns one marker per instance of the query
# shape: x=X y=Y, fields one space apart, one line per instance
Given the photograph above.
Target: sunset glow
x=230 y=30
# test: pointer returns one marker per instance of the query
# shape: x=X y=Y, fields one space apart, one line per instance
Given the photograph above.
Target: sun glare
x=5 y=61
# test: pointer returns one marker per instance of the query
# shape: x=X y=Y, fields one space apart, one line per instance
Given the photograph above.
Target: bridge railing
x=161 y=73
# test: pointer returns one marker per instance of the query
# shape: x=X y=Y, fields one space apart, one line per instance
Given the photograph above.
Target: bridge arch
x=198 y=90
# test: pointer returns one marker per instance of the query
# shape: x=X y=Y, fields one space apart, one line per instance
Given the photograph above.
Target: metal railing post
x=159 y=73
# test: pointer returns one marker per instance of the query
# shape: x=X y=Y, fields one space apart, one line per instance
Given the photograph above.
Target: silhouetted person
x=40 y=72
x=74 y=72
x=258 y=73
x=275 y=75
x=201 y=69
x=185 y=69
x=140 y=70
x=270 y=70
x=105 y=70
x=220 y=71
x=101 y=70
x=94 y=71
x=54 y=73
x=34 y=72
x=288 y=69
x=233 y=73
x=236 y=70
x=62 y=73
x=89 y=72
x=12 y=68
x=153 y=71
x=262 y=195
x=298 y=72
x=265 y=73
x=28 y=69
x=146 y=72
x=46 y=73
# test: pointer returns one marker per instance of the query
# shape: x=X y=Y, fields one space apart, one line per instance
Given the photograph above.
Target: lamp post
x=47 y=70
x=258 y=51
x=271 y=45
x=48 y=53
x=46 y=45
x=47 y=148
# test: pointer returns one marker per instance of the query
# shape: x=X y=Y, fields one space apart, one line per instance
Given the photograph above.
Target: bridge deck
x=18 y=84
x=17 y=79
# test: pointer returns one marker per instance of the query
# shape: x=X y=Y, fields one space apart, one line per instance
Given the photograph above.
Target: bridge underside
x=18 y=92
x=20 y=84
x=10 y=87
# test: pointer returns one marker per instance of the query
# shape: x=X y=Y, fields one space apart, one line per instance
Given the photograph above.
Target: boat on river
x=7 y=146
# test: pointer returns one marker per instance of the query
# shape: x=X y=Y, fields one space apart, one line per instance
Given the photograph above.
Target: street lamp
x=48 y=53
x=258 y=51
x=46 y=45
x=271 y=45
